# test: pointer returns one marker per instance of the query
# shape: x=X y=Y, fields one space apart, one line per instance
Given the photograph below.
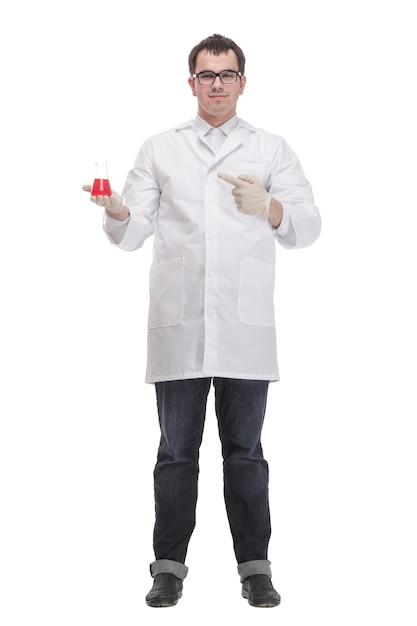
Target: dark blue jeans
x=240 y=409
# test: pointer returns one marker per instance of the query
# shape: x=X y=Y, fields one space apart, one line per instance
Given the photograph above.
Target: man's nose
x=217 y=83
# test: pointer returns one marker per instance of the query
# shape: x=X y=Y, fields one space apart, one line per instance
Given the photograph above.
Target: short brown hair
x=216 y=44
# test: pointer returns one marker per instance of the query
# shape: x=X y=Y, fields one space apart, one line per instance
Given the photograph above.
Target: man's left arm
x=294 y=218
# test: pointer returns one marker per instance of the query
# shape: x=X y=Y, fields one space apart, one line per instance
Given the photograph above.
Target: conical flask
x=101 y=185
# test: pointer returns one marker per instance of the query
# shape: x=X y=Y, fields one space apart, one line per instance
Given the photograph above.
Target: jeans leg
x=240 y=409
x=181 y=409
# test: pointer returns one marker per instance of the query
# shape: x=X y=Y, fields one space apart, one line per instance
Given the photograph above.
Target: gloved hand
x=113 y=203
x=250 y=197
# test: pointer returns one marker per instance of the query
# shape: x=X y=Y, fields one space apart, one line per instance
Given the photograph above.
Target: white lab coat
x=211 y=309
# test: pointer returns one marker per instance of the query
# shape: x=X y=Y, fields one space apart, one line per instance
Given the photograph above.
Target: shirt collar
x=204 y=127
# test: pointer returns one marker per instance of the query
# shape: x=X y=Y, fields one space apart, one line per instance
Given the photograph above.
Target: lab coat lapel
x=230 y=144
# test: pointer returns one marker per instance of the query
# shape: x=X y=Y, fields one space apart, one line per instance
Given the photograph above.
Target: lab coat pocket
x=259 y=170
x=166 y=291
x=256 y=292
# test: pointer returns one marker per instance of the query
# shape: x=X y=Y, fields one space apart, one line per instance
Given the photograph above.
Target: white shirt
x=211 y=310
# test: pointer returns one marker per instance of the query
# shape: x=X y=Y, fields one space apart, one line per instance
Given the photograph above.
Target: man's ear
x=191 y=82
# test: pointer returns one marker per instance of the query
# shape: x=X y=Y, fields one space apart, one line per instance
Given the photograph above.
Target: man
x=217 y=194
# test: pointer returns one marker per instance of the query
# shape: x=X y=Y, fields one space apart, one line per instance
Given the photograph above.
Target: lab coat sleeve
x=285 y=233
x=114 y=229
x=301 y=223
x=141 y=195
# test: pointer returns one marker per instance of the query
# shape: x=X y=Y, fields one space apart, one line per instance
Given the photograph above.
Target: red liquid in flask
x=101 y=187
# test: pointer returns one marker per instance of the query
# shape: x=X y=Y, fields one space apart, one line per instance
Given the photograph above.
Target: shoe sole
x=264 y=605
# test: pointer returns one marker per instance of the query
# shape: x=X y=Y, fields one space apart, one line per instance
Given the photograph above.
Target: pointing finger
x=229 y=179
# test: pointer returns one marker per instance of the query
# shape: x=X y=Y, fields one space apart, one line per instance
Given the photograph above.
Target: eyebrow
x=227 y=69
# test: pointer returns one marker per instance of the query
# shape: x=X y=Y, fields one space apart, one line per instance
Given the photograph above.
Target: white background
x=78 y=424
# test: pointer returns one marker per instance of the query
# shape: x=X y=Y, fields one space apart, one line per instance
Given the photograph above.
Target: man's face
x=217 y=102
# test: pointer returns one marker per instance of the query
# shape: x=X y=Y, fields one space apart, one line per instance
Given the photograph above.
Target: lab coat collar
x=231 y=129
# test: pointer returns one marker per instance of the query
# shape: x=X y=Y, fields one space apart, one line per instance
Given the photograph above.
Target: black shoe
x=258 y=591
x=166 y=591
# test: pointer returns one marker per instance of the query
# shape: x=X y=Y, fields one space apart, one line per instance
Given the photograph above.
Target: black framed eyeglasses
x=228 y=77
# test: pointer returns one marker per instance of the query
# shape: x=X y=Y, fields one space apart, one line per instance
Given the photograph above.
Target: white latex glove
x=113 y=203
x=250 y=197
